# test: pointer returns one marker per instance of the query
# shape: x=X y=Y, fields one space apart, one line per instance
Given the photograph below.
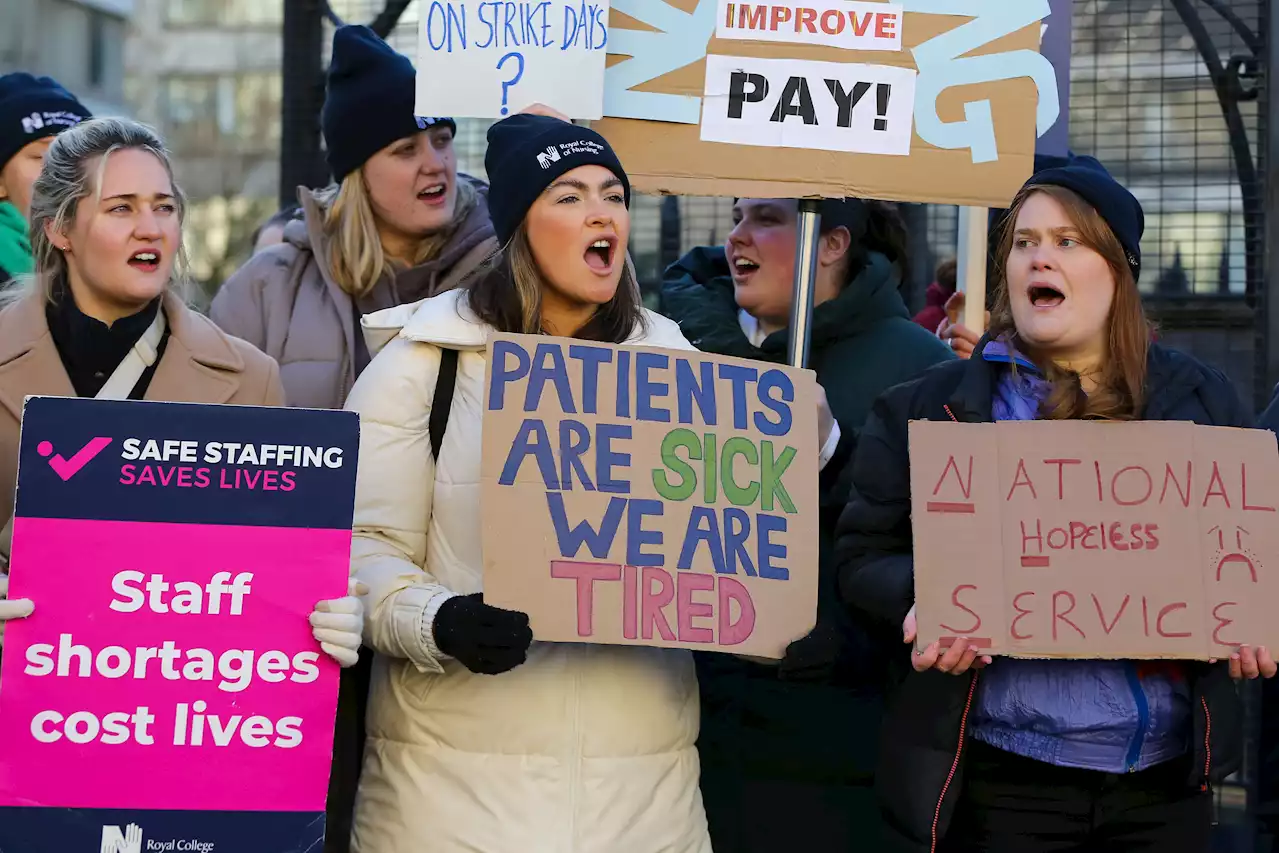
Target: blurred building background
x=206 y=73
x=80 y=43
x=1169 y=94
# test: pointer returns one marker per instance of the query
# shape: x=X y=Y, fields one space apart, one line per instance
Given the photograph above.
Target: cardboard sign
x=963 y=131
x=650 y=497
x=167 y=689
x=487 y=58
x=1071 y=539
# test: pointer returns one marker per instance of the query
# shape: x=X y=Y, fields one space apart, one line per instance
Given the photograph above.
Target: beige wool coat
x=200 y=364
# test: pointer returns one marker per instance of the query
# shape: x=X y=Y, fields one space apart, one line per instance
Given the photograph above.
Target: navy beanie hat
x=527 y=153
x=1116 y=205
x=369 y=99
x=32 y=108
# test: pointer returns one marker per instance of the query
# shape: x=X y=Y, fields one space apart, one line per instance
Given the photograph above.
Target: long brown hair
x=1119 y=393
x=506 y=293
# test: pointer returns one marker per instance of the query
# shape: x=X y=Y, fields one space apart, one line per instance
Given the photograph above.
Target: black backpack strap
x=438 y=421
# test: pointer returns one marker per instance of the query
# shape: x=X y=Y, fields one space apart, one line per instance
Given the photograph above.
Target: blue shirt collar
x=1000 y=352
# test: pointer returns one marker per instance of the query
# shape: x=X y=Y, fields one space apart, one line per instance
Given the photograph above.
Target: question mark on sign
x=514 y=80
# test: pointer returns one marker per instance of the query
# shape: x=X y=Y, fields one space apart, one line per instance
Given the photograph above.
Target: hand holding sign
x=337 y=625
x=18 y=608
x=486 y=640
x=544 y=110
x=957 y=659
x=1250 y=663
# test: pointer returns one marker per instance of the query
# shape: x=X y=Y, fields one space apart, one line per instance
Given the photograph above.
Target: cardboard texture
x=661 y=548
x=981 y=78
x=1095 y=540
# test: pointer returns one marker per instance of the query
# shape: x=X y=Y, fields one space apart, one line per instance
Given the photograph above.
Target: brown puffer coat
x=285 y=302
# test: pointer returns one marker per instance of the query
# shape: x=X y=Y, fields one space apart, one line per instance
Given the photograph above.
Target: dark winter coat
x=921 y=770
x=810 y=746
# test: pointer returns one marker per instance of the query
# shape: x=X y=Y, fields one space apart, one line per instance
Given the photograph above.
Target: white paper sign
x=830 y=23
x=489 y=59
x=795 y=103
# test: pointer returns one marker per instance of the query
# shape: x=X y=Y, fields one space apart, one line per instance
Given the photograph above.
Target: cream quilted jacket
x=582 y=749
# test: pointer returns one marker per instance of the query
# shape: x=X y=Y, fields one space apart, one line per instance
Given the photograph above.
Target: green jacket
x=862 y=343
x=15 y=247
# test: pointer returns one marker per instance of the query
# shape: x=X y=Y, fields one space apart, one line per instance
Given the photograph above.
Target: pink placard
x=244 y=693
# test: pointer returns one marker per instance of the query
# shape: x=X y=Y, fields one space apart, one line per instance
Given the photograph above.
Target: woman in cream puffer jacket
x=579 y=748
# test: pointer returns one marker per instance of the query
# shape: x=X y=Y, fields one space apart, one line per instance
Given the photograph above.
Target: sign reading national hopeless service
x=641 y=496
x=167 y=692
x=911 y=100
x=1075 y=539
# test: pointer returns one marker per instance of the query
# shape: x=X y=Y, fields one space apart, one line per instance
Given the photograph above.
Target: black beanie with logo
x=527 y=153
x=32 y=108
x=369 y=99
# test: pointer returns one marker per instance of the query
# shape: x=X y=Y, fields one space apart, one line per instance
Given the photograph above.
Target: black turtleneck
x=91 y=350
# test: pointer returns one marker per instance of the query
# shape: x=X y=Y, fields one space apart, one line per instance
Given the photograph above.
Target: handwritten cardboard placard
x=914 y=100
x=488 y=58
x=1072 y=539
x=650 y=497
x=167 y=690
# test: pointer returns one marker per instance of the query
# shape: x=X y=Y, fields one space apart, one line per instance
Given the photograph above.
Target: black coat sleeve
x=873 y=536
x=834 y=479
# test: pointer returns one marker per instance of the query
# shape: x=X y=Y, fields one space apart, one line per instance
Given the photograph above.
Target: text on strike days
x=231 y=453
x=763 y=16
x=643 y=386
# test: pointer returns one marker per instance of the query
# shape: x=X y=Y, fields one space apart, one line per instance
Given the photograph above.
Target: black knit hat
x=527 y=153
x=850 y=213
x=32 y=108
x=1091 y=181
x=369 y=100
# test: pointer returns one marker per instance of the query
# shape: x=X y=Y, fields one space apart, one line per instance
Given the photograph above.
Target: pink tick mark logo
x=68 y=468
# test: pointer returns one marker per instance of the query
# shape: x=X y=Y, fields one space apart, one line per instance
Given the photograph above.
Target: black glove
x=812 y=657
x=487 y=640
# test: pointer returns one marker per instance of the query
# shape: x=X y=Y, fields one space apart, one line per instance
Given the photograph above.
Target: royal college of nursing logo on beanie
x=39 y=121
x=553 y=153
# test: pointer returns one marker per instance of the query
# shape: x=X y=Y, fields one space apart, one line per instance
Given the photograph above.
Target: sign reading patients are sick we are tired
x=1095 y=540
x=167 y=689
x=649 y=496
x=489 y=58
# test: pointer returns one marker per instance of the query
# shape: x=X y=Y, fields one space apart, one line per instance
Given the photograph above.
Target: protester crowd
x=456 y=731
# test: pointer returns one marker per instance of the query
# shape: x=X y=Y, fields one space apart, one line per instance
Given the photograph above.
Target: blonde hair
x=356 y=257
x=73 y=169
